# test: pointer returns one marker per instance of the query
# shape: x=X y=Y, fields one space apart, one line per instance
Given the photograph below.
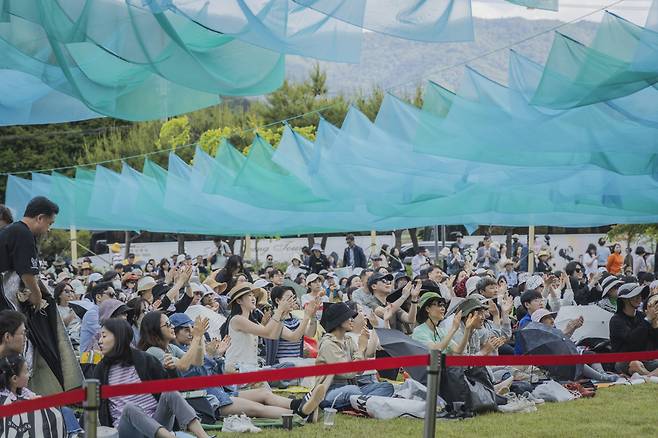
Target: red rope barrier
x=49 y=401
x=548 y=359
x=190 y=383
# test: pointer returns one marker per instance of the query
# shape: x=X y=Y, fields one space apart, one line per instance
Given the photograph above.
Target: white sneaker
x=637 y=379
x=517 y=404
x=248 y=425
x=532 y=398
x=239 y=424
x=651 y=379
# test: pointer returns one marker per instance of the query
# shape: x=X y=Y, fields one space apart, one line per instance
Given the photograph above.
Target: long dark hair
x=150 y=332
x=123 y=336
x=234 y=265
x=236 y=309
x=135 y=309
x=10 y=366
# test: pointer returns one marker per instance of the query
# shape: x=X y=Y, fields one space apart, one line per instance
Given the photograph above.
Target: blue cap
x=180 y=320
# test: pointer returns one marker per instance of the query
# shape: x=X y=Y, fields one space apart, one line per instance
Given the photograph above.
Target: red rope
x=189 y=383
x=49 y=401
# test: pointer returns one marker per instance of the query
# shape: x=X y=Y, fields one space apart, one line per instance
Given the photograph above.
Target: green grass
x=613 y=412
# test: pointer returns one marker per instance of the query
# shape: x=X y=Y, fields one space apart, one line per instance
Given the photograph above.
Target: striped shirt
x=289 y=348
x=121 y=375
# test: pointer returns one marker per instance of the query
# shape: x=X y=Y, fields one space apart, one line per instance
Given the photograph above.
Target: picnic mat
x=258 y=422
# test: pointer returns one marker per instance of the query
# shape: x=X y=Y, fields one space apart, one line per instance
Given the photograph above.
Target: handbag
x=469 y=385
x=386 y=408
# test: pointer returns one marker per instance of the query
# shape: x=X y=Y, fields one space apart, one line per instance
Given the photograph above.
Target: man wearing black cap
x=381 y=286
x=632 y=330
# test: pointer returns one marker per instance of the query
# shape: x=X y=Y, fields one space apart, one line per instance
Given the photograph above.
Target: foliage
x=632 y=232
x=174 y=133
x=57 y=243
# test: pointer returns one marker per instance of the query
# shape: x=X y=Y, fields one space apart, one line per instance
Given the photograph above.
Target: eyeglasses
x=167 y=324
x=438 y=304
x=578 y=270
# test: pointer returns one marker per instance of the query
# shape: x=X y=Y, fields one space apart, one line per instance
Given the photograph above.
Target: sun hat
x=145 y=283
x=523 y=277
x=508 y=262
x=213 y=283
x=470 y=304
x=111 y=308
x=471 y=285
x=422 y=301
x=539 y=314
x=543 y=253
x=334 y=315
x=207 y=290
x=262 y=283
x=64 y=275
x=180 y=320
x=115 y=247
x=515 y=236
x=244 y=288
x=608 y=283
x=295 y=258
x=630 y=290
x=78 y=287
x=311 y=278
x=317 y=247
x=534 y=282
x=94 y=276
x=85 y=265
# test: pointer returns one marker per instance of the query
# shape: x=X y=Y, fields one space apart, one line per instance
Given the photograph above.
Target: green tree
x=57 y=243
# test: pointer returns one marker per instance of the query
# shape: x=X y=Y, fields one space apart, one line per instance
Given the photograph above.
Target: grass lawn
x=613 y=412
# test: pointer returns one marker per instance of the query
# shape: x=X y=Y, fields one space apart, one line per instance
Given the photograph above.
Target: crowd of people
x=205 y=315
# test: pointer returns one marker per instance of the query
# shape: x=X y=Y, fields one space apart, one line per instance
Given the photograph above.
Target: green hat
x=469 y=305
x=428 y=296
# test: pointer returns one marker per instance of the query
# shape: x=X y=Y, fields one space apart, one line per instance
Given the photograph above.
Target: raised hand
x=456 y=321
x=201 y=325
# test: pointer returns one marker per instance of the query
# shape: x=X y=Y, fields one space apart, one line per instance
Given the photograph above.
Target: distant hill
x=387 y=62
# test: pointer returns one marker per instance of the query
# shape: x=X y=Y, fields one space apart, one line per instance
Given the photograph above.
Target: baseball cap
x=378 y=276
x=180 y=320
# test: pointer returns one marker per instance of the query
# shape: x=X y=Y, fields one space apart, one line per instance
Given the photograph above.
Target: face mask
x=116 y=284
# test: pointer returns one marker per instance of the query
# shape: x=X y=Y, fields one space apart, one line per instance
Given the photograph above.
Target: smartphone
x=368 y=324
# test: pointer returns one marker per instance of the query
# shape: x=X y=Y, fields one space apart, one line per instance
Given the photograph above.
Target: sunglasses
x=578 y=270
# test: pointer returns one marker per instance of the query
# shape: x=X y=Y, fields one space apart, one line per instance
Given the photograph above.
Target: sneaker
x=651 y=379
x=248 y=425
x=239 y=424
x=637 y=379
x=532 y=398
x=517 y=404
x=312 y=400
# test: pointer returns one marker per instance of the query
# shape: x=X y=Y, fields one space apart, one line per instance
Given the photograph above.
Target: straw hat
x=213 y=283
x=115 y=247
x=244 y=288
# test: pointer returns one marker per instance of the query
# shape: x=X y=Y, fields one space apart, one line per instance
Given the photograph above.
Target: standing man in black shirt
x=18 y=251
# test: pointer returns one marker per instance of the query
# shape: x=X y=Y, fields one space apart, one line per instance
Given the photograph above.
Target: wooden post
x=531 y=249
x=74 y=246
x=247 y=247
x=373 y=242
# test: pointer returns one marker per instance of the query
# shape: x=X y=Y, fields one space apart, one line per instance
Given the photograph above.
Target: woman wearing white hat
x=294 y=268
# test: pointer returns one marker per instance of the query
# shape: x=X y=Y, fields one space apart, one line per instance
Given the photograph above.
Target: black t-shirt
x=18 y=250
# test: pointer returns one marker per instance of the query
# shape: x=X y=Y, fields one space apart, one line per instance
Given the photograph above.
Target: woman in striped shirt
x=143 y=415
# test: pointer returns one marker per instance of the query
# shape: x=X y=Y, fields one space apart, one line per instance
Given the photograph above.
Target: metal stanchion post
x=433 y=381
x=91 y=405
